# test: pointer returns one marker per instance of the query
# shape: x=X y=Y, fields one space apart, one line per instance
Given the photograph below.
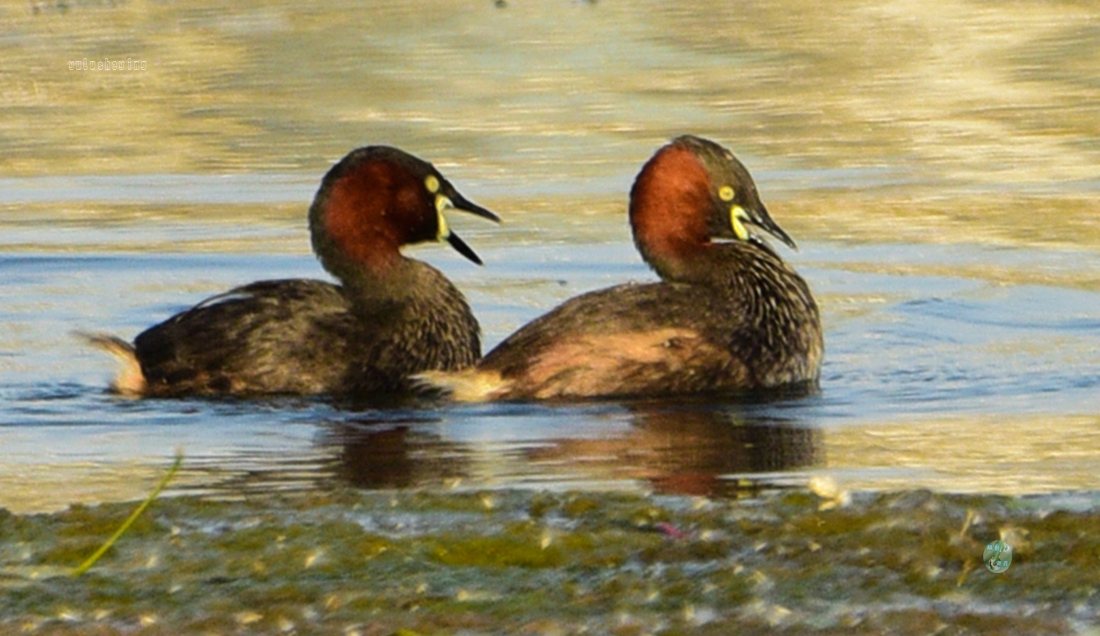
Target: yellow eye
x=431 y=183
x=726 y=193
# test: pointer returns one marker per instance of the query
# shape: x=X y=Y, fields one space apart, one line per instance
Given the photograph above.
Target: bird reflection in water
x=701 y=450
x=377 y=455
x=698 y=451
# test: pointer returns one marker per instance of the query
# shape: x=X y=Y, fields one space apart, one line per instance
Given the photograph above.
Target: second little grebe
x=392 y=316
x=728 y=317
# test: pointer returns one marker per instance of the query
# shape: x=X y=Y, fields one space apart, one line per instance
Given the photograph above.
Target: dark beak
x=462 y=203
x=462 y=248
x=456 y=201
x=758 y=216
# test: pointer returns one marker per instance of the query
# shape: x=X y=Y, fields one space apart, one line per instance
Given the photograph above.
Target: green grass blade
x=84 y=567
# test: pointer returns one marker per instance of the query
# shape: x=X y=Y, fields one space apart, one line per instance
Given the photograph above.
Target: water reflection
x=392 y=455
x=709 y=451
x=697 y=452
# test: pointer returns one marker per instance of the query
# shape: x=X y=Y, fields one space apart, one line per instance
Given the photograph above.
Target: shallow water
x=938 y=173
x=931 y=378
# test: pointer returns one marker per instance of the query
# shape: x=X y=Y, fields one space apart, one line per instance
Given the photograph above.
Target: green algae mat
x=523 y=562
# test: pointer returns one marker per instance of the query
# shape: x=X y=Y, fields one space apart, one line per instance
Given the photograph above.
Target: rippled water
x=938 y=171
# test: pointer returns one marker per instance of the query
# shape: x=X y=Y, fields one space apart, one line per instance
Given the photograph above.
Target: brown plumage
x=729 y=316
x=392 y=316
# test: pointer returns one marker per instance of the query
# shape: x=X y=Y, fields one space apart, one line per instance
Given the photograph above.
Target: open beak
x=460 y=202
x=457 y=202
x=462 y=248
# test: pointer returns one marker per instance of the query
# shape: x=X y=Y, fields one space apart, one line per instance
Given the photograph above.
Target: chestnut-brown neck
x=670 y=205
x=364 y=214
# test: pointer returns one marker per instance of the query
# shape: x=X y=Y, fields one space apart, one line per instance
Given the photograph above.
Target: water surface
x=938 y=171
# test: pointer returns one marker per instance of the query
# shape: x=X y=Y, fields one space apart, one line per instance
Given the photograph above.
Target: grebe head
x=377 y=199
x=691 y=192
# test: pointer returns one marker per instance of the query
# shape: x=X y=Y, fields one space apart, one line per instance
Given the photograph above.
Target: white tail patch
x=469 y=385
x=130 y=381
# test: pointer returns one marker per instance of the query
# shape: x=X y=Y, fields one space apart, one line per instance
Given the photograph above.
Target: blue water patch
x=904 y=341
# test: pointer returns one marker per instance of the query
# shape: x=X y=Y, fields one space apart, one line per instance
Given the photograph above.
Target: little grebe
x=728 y=317
x=391 y=317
